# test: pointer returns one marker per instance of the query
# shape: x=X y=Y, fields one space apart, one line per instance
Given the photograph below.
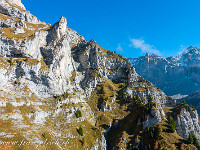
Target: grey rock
x=15 y=8
x=155 y=117
x=18 y=30
x=187 y=121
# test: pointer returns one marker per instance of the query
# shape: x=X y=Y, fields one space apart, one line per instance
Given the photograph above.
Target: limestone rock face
x=57 y=61
x=18 y=30
x=155 y=116
x=17 y=3
x=57 y=31
x=187 y=121
x=15 y=8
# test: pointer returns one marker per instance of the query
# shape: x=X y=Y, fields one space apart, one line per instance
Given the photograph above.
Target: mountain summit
x=59 y=91
x=15 y=3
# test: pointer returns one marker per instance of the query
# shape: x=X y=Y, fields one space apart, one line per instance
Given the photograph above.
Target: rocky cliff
x=174 y=75
x=59 y=91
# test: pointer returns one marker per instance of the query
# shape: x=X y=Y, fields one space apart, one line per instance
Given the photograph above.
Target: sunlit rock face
x=16 y=2
x=187 y=122
x=15 y=8
x=174 y=75
x=155 y=116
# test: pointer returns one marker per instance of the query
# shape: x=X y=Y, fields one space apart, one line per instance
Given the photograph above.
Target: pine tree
x=142 y=101
x=196 y=142
x=151 y=134
x=147 y=128
x=153 y=129
x=150 y=100
x=78 y=113
x=137 y=98
x=149 y=148
x=190 y=138
x=172 y=124
x=185 y=105
x=173 y=129
x=80 y=131
x=65 y=95
x=184 y=102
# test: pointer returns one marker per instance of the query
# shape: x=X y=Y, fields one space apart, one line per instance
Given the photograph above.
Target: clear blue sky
x=130 y=27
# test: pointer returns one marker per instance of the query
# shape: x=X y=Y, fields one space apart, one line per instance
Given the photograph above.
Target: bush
x=78 y=113
x=80 y=131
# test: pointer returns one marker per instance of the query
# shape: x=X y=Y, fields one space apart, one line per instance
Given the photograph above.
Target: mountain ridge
x=174 y=75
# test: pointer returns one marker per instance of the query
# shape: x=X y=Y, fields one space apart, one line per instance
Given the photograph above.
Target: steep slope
x=59 y=91
x=174 y=75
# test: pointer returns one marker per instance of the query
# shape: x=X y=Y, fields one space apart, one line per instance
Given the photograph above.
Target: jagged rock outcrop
x=16 y=3
x=187 y=122
x=58 y=60
x=15 y=8
x=174 y=75
x=155 y=116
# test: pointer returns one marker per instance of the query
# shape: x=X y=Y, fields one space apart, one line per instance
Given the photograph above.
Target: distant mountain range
x=174 y=75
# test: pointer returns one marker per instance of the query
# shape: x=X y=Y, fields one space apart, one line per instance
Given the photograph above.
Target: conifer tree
x=150 y=99
x=80 y=131
x=172 y=124
x=196 y=142
x=190 y=138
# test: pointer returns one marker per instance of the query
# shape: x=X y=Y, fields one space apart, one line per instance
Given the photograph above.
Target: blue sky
x=130 y=27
